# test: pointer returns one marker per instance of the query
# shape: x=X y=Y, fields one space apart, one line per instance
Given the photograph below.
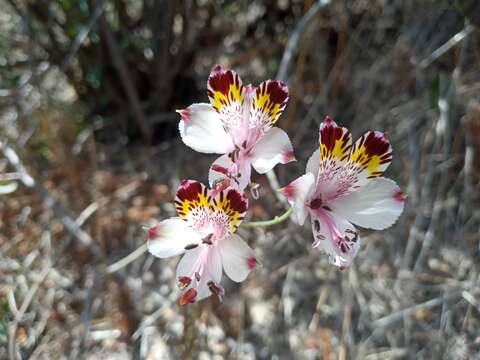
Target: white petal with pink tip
x=202 y=130
x=237 y=258
x=201 y=265
x=313 y=163
x=377 y=205
x=170 y=237
x=297 y=194
x=273 y=148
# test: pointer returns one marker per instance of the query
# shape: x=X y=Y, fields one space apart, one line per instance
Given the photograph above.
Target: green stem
x=274 y=221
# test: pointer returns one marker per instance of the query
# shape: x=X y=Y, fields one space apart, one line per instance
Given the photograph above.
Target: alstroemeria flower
x=238 y=123
x=342 y=186
x=205 y=232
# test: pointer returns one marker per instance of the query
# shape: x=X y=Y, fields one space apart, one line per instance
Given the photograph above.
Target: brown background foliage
x=88 y=91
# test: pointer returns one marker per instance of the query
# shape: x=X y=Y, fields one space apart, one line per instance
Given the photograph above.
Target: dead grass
x=413 y=290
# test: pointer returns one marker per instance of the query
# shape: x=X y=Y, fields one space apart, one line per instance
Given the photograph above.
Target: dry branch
x=296 y=37
x=58 y=209
x=282 y=74
x=126 y=80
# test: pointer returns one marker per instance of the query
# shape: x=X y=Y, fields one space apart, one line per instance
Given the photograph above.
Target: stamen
x=208 y=239
x=234 y=154
x=220 y=185
x=217 y=182
x=188 y=297
x=318 y=240
x=197 y=276
x=183 y=282
x=345 y=243
x=223 y=183
x=216 y=289
x=351 y=238
x=190 y=246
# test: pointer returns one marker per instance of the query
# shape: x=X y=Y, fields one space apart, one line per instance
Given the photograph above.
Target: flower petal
x=298 y=193
x=313 y=163
x=202 y=130
x=237 y=258
x=240 y=171
x=188 y=264
x=336 y=237
x=273 y=148
x=192 y=202
x=377 y=205
x=170 y=237
x=268 y=103
x=226 y=94
x=201 y=265
x=211 y=272
x=208 y=213
x=233 y=205
x=367 y=159
x=335 y=143
x=372 y=153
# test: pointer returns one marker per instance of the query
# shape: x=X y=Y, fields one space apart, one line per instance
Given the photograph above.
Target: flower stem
x=276 y=220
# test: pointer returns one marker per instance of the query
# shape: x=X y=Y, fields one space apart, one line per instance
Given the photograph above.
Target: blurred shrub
x=135 y=61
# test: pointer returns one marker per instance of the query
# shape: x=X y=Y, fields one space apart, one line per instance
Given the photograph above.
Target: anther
x=216 y=290
x=220 y=185
x=188 y=297
x=183 y=282
x=207 y=239
x=190 y=246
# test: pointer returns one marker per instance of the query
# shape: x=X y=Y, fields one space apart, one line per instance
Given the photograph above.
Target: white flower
x=205 y=232
x=238 y=123
x=342 y=186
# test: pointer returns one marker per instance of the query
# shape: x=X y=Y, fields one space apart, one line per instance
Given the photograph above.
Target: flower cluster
x=342 y=185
